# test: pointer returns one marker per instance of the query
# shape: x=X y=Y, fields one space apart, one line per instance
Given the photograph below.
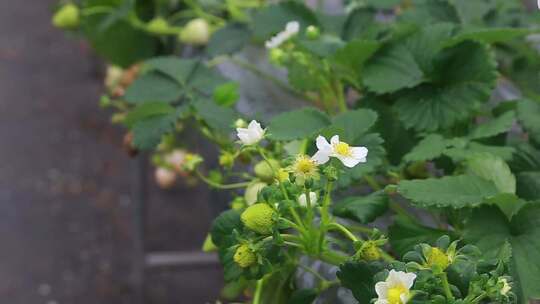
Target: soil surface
x=68 y=191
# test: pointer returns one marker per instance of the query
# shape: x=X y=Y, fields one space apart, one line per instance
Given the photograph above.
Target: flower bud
x=437 y=258
x=159 y=26
x=196 y=32
x=312 y=32
x=226 y=159
x=252 y=192
x=238 y=203
x=67 y=17
x=277 y=56
x=259 y=218
x=240 y=123
x=165 y=178
x=244 y=256
x=264 y=171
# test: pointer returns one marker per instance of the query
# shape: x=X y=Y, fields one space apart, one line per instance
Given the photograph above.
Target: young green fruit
x=158 y=26
x=370 y=252
x=196 y=32
x=259 y=218
x=67 y=17
x=312 y=32
x=265 y=170
x=244 y=256
x=438 y=259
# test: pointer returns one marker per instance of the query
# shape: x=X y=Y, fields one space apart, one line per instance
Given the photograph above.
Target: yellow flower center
x=438 y=258
x=342 y=149
x=394 y=294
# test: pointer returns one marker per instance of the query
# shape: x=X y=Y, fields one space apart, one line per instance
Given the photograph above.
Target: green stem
x=221 y=186
x=258 y=291
x=325 y=216
x=343 y=230
x=340 y=97
x=446 y=287
x=332 y=257
x=360 y=229
x=387 y=257
x=96 y=10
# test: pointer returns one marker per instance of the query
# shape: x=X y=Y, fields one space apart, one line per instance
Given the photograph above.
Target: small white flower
x=291 y=29
x=302 y=199
x=505 y=289
x=349 y=156
x=396 y=288
x=252 y=134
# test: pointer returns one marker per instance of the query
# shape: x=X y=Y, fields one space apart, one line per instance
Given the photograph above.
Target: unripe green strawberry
x=67 y=17
x=244 y=256
x=312 y=32
x=278 y=56
x=259 y=218
x=196 y=32
x=371 y=252
x=438 y=259
x=158 y=26
x=264 y=171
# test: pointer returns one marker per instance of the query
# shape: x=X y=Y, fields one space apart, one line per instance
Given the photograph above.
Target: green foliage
x=229 y=39
x=363 y=209
x=359 y=277
x=297 y=124
x=528 y=115
x=405 y=234
x=494 y=169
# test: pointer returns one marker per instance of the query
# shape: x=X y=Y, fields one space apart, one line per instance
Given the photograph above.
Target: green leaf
x=431 y=147
x=494 y=127
x=120 y=43
x=450 y=191
x=228 y=39
x=528 y=113
x=272 y=19
x=493 y=168
x=471 y=11
x=463 y=80
x=223 y=226
x=354 y=123
x=528 y=185
x=147 y=110
x=227 y=94
x=359 y=278
x=153 y=87
x=219 y=118
x=360 y=24
x=148 y=133
x=509 y=203
x=174 y=67
x=297 y=124
x=429 y=12
x=489 y=229
x=526 y=158
x=324 y=46
x=404 y=234
x=487 y=35
x=375 y=158
x=392 y=68
x=363 y=209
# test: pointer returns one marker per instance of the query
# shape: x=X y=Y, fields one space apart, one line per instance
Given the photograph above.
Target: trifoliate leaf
x=146 y=111
x=228 y=39
x=297 y=124
x=528 y=113
x=492 y=168
x=174 y=67
x=404 y=234
x=219 y=118
x=153 y=87
x=431 y=147
x=465 y=76
x=489 y=229
x=363 y=209
x=450 y=191
x=494 y=127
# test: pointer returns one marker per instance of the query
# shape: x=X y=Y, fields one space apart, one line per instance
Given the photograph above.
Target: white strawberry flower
x=349 y=156
x=396 y=288
x=291 y=29
x=252 y=134
x=302 y=199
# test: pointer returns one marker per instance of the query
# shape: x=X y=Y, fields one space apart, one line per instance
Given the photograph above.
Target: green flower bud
x=158 y=26
x=264 y=171
x=238 y=203
x=252 y=191
x=437 y=258
x=240 y=123
x=312 y=32
x=244 y=256
x=259 y=218
x=226 y=159
x=67 y=17
x=277 y=56
x=196 y=32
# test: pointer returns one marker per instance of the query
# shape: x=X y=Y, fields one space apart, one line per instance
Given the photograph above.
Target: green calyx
x=67 y=17
x=259 y=218
x=244 y=256
x=437 y=258
x=370 y=252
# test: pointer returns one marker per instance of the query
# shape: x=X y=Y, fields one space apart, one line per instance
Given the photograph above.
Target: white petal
x=320 y=157
x=393 y=278
x=334 y=140
x=292 y=27
x=323 y=145
x=313 y=197
x=348 y=161
x=381 y=288
x=254 y=126
x=360 y=153
x=302 y=200
x=381 y=301
x=407 y=279
x=404 y=297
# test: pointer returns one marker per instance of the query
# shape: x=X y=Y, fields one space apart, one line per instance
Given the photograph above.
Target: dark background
x=69 y=192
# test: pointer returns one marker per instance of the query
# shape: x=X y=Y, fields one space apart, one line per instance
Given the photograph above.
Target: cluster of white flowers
x=396 y=288
x=349 y=156
x=292 y=28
